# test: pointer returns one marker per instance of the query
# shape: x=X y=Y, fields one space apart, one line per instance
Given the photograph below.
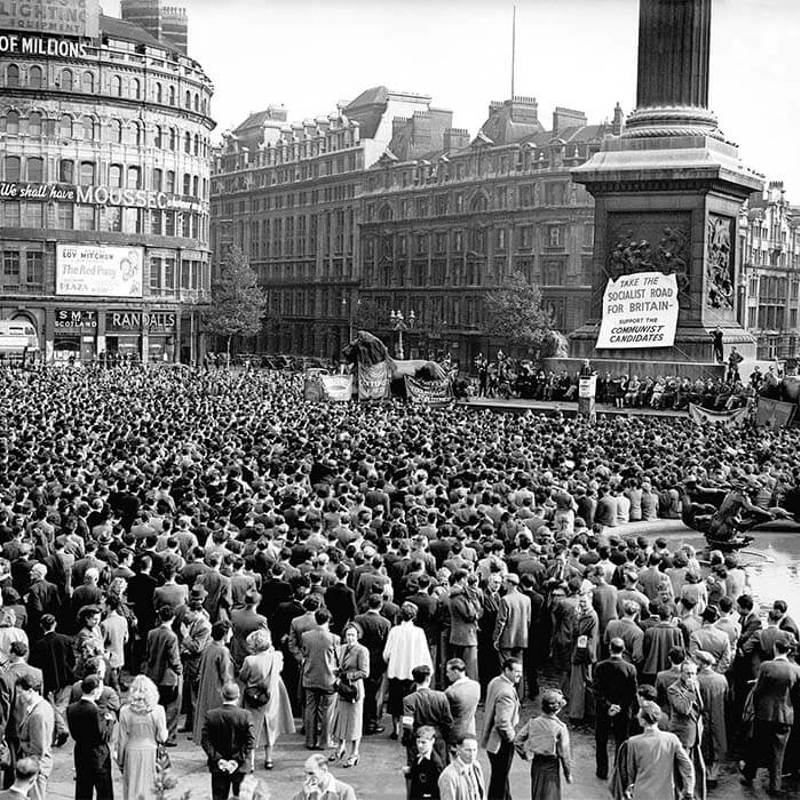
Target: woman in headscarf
x=142 y=726
x=216 y=669
x=545 y=741
x=583 y=656
x=352 y=667
x=264 y=695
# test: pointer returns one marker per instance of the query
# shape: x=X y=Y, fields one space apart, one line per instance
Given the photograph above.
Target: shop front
x=145 y=335
x=74 y=335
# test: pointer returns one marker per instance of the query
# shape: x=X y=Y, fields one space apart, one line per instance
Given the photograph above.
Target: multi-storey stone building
x=288 y=195
x=104 y=187
x=384 y=206
x=769 y=228
x=443 y=228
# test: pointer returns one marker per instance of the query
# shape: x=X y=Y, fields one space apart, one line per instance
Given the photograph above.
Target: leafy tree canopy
x=237 y=302
x=516 y=313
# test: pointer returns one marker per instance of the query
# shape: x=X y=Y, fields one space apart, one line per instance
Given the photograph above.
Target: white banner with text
x=639 y=311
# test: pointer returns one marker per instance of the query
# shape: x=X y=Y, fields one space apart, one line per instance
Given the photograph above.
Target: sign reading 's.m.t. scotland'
x=639 y=311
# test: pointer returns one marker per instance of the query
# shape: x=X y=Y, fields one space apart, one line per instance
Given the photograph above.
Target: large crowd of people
x=233 y=563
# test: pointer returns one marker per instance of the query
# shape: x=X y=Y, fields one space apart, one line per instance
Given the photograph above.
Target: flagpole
x=513 y=47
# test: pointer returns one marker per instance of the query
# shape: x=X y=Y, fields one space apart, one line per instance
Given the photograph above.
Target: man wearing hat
x=227 y=738
x=195 y=626
x=713 y=693
x=243 y=622
x=712 y=640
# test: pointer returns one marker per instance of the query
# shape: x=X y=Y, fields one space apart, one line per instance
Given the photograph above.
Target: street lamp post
x=400 y=325
x=349 y=305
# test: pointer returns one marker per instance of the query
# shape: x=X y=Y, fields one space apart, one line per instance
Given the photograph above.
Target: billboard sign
x=59 y=17
x=639 y=311
x=99 y=270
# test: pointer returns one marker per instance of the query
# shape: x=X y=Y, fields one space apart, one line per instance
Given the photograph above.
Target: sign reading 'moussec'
x=639 y=311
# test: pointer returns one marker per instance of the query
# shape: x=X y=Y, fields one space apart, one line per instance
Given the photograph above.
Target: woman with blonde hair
x=142 y=726
x=264 y=696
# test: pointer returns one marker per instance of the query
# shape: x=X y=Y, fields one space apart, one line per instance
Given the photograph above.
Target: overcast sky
x=310 y=54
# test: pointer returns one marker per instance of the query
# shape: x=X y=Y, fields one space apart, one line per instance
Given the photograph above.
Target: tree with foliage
x=237 y=303
x=516 y=314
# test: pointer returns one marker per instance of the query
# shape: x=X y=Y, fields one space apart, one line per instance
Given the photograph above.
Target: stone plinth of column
x=668 y=191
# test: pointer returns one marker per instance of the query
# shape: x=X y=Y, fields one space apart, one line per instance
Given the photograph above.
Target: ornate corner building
x=104 y=184
x=383 y=206
x=769 y=229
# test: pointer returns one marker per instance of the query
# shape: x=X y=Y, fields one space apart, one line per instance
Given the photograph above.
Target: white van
x=17 y=336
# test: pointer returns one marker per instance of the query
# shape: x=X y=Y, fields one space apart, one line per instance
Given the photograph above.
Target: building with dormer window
x=384 y=206
x=442 y=229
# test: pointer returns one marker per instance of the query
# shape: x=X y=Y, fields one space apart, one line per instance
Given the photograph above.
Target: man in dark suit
x=243 y=622
x=91 y=729
x=141 y=588
x=460 y=613
x=275 y=590
x=319 y=676
x=426 y=706
x=54 y=656
x=43 y=598
x=615 y=695
x=163 y=666
x=774 y=695
x=340 y=600
x=227 y=739
x=219 y=599
x=375 y=631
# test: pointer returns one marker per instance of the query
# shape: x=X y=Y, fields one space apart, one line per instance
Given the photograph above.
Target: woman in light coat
x=262 y=670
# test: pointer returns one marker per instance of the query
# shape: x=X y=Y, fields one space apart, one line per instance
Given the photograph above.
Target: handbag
x=257 y=695
x=163 y=761
x=346 y=690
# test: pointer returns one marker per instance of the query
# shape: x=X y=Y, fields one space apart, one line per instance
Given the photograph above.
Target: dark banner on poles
x=428 y=392
x=700 y=415
x=774 y=413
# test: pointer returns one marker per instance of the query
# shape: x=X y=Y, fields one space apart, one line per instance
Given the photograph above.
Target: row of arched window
x=67 y=80
x=115 y=131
